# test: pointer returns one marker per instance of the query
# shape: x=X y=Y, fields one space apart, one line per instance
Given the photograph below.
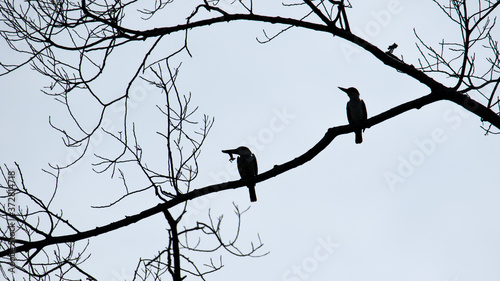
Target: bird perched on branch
x=247 y=166
x=356 y=111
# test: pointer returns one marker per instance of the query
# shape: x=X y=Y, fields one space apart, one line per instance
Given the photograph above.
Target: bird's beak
x=343 y=89
x=230 y=152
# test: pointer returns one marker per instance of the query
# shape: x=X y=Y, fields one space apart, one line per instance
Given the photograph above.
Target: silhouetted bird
x=247 y=166
x=356 y=111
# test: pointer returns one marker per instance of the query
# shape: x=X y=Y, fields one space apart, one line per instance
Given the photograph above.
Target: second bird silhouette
x=247 y=166
x=356 y=111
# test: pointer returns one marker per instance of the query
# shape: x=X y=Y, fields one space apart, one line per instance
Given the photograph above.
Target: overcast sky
x=417 y=200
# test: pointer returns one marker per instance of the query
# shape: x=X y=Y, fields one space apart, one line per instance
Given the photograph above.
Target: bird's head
x=351 y=92
x=242 y=151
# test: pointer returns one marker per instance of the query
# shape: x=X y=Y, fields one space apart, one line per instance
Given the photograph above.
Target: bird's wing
x=365 y=114
x=254 y=159
x=241 y=167
x=348 y=109
x=247 y=166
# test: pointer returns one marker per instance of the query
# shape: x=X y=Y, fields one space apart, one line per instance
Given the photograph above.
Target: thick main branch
x=329 y=136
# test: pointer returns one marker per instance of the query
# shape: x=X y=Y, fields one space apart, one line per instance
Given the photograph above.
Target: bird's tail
x=253 y=195
x=359 y=136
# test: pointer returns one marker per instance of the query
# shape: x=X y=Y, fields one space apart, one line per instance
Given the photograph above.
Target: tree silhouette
x=71 y=42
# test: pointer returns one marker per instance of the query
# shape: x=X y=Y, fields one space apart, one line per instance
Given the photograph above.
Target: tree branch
x=388 y=59
x=330 y=135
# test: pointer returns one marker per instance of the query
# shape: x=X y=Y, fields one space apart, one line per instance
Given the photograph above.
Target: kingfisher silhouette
x=356 y=111
x=247 y=166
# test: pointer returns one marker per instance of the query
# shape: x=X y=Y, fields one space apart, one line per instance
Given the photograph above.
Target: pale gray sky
x=417 y=200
